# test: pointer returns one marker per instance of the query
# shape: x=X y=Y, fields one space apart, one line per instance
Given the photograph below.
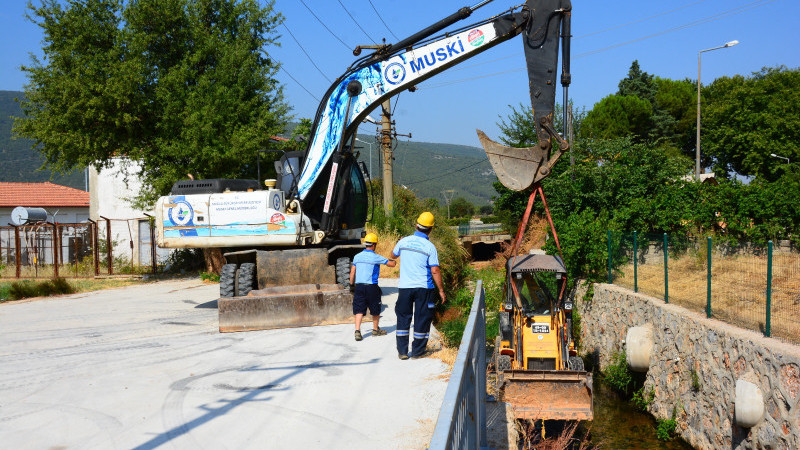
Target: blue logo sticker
x=395 y=73
x=181 y=214
x=276 y=201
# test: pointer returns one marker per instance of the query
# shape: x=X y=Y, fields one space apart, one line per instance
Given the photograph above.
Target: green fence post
x=708 y=287
x=666 y=271
x=635 y=265
x=767 y=328
x=609 y=256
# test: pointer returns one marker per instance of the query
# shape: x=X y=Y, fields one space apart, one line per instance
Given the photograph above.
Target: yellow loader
x=538 y=370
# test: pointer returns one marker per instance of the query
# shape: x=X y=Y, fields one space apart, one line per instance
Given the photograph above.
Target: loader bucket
x=548 y=394
x=286 y=307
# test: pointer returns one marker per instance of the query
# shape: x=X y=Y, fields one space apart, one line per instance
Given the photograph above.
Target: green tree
x=517 y=129
x=180 y=86
x=619 y=116
x=461 y=207
x=745 y=119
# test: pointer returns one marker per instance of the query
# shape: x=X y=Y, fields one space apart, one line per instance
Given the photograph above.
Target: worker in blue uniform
x=419 y=272
x=364 y=276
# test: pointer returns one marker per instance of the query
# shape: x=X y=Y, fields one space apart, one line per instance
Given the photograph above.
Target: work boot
x=378 y=332
x=358 y=335
x=402 y=356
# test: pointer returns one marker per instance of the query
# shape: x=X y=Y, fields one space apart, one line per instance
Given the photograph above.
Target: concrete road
x=145 y=367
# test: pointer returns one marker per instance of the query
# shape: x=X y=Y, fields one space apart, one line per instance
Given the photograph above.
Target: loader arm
x=401 y=66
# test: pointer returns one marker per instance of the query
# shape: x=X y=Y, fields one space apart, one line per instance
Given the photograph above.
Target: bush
x=642 y=398
x=452 y=331
x=618 y=375
x=212 y=277
x=665 y=430
x=27 y=288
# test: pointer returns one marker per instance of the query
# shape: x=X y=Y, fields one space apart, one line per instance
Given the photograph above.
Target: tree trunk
x=213 y=259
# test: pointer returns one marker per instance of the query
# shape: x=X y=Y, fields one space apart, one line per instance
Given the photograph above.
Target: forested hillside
x=20 y=162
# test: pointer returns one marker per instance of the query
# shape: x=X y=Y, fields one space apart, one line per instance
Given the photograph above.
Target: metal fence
x=75 y=250
x=462 y=419
x=466 y=229
x=751 y=285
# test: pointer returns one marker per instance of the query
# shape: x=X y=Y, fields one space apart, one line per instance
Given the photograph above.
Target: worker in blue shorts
x=364 y=276
x=419 y=271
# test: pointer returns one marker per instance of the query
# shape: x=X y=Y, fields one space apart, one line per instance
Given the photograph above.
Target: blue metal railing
x=462 y=419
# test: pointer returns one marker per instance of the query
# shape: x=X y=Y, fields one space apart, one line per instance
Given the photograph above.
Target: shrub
x=452 y=331
x=665 y=430
x=642 y=398
x=212 y=277
x=618 y=375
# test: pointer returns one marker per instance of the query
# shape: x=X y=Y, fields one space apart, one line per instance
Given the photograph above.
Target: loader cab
x=538 y=279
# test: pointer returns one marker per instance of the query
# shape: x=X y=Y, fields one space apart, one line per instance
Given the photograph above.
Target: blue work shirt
x=418 y=256
x=368 y=266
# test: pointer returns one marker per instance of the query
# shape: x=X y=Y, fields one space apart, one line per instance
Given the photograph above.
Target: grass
x=738 y=287
x=15 y=289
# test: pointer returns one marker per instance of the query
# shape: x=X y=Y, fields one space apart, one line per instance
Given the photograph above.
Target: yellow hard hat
x=371 y=238
x=425 y=219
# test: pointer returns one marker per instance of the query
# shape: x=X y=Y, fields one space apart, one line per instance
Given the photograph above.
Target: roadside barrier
x=462 y=419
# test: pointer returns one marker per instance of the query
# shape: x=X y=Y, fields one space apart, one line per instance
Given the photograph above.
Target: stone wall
x=687 y=343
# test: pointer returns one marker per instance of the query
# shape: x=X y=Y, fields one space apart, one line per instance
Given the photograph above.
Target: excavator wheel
x=576 y=363
x=503 y=363
x=343 y=271
x=227 y=280
x=246 y=277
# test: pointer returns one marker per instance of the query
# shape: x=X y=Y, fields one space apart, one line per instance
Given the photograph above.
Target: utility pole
x=386 y=152
x=448 y=195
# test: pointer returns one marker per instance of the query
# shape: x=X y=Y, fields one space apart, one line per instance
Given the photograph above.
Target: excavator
x=288 y=247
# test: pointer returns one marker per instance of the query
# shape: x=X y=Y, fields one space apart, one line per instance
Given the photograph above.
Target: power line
x=306 y=53
x=356 y=22
x=381 y=19
x=299 y=83
x=325 y=26
x=448 y=173
x=695 y=23
x=663 y=13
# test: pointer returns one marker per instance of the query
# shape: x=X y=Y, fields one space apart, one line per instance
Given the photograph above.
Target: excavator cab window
x=355 y=213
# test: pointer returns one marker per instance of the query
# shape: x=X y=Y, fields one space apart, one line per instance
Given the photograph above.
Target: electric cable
x=306 y=53
x=299 y=83
x=356 y=22
x=448 y=173
x=644 y=19
x=381 y=19
x=326 y=27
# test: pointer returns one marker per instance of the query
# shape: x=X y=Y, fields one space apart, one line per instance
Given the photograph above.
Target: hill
x=18 y=160
x=426 y=168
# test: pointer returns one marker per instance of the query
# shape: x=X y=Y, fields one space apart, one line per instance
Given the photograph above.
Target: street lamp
x=370 y=154
x=697 y=147
x=781 y=157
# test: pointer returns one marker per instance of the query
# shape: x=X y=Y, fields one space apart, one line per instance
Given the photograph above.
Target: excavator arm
x=401 y=66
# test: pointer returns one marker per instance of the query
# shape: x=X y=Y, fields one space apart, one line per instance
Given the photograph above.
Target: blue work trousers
x=419 y=302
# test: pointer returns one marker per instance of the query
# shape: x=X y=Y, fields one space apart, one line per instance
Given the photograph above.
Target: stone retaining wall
x=717 y=353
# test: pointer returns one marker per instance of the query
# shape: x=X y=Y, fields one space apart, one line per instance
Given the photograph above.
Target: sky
x=664 y=36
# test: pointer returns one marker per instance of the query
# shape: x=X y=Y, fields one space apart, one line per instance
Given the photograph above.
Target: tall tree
x=180 y=86
x=745 y=119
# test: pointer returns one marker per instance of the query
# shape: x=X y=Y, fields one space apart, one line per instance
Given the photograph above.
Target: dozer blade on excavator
x=548 y=394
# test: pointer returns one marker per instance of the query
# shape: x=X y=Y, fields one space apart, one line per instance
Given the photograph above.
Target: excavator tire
x=343 y=271
x=246 y=277
x=227 y=280
x=576 y=363
x=503 y=363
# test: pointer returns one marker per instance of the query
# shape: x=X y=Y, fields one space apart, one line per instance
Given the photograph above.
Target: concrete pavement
x=145 y=367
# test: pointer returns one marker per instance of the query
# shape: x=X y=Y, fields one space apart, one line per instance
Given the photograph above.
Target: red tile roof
x=41 y=194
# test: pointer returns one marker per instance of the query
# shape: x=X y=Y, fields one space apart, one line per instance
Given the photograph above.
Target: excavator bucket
x=548 y=394
x=516 y=168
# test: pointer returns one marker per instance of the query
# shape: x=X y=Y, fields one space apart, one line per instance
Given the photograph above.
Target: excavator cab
x=538 y=370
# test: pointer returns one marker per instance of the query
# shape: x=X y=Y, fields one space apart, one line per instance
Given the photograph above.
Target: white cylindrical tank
x=638 y=348
x=22 y=215
x=749 y=404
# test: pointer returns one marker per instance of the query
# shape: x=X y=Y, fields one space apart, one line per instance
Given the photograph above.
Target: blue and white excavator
x=304 y=228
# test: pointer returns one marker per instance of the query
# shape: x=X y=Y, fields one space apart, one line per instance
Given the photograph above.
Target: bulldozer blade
x=516 y=168
x=286 y=307
x=548 y=394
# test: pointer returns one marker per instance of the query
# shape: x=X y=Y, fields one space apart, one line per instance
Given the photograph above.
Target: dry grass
x=79 y=285
x=386 y=243
x=534 y=238
x=738 y=287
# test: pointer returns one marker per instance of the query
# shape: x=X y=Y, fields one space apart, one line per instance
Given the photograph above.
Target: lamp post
x=370 y=155
x=780 y=157
x=697 y=146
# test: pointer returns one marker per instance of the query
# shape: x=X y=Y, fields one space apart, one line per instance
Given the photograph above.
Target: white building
x=111 y=192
